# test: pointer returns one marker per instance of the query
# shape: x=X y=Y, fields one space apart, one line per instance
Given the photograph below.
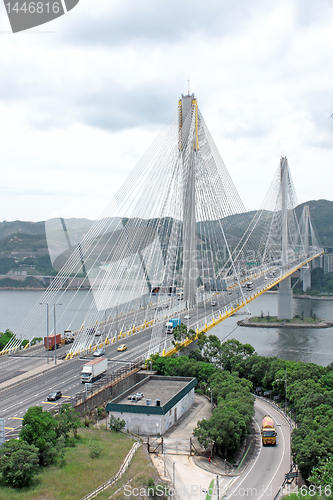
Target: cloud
x=82 y=104
x=155 y=22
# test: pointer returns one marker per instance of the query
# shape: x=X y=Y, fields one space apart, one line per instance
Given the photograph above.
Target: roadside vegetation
x=42 y=441
x=299 y=319
x=321 y=284
x=5 y=338
x=68 y=461
x=7 y=335
x=229 y=371
x=77 y=470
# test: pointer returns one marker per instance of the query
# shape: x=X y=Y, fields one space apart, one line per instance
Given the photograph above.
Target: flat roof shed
x=164 y=401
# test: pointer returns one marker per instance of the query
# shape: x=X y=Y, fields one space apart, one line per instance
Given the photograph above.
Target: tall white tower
x=285 y=295
x=188 y=127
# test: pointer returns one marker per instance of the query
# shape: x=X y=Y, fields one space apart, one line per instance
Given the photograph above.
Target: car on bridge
x=54 y=396
x=99 y=352
x=122 y=347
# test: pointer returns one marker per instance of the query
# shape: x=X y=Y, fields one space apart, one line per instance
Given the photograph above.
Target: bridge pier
x=285 y=299
x=306 y=277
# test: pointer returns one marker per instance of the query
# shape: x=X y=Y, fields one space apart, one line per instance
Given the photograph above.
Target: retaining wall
x=112 y=391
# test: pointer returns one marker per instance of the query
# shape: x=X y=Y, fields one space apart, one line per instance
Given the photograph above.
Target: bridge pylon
x=285 y=294
x=188 y=113
x=305 y=224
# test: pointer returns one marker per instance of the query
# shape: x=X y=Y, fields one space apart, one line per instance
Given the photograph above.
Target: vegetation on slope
x=225 y=367
x=321 y=284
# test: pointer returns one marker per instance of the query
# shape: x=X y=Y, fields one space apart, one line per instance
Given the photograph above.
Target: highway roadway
x=16 y=399
x=262 y=477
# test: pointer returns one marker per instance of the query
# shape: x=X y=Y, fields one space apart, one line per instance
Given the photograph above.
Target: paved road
x=265 y=473
x=16 y=399
x=260 y=479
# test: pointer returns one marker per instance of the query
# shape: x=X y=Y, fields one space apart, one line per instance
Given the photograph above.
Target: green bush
x=116 y=424
x=95 y=449
x=18 y=463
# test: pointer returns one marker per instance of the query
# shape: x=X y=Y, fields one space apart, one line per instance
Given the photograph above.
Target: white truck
x=168 y=327
x=171 y=325
x=93 y=370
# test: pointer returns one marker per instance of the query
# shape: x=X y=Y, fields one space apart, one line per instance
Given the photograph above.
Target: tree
x=212 y=350
x=39 y=428
x=191 y=334
x=5 y=338
x=225 y=429
x=309 y=447
x=117 y=424
x=67 y=420
x=234 y=353
x=323 y=476
x=18 y=462
x=180 y=333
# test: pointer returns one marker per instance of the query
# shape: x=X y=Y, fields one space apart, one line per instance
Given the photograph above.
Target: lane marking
x=282 y=457
x=258 y=455
x=17 y=418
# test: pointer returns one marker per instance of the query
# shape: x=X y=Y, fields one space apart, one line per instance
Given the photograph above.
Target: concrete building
x=164 y=401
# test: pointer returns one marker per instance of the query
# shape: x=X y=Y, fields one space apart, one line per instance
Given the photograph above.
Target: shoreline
x=306 y=297
x=321 y=324
x=8 y=288
x=312 y=297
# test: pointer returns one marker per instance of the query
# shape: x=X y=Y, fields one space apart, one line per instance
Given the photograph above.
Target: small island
x=298 y=321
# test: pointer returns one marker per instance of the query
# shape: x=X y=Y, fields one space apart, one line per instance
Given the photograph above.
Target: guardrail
x=103 y=383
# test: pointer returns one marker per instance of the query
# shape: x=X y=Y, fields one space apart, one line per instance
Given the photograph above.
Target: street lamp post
x=47 y=327
x=211 y=399
x=285 y=387
x=55 y=331
x=174 y=479
x=117 y=323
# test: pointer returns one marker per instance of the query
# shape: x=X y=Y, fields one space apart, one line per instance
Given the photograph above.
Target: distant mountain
x=19 y=227
x=19 y=235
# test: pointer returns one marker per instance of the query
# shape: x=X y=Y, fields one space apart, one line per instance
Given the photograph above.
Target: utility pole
x=55 y=332
x=285 y=388
x=47 y=327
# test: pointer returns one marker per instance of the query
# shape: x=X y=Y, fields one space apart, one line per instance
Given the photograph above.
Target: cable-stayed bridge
x=176 y=237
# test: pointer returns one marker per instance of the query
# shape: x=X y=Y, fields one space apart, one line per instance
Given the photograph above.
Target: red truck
x=52 y=340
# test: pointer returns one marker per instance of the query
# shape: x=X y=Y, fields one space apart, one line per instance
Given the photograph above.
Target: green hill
x=31 y=237
x=321 y=213
x=21 y=227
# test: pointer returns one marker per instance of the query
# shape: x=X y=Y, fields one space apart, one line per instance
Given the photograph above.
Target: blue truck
x=171 y=324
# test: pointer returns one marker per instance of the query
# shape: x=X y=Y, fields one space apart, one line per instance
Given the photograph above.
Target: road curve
x=264 y=475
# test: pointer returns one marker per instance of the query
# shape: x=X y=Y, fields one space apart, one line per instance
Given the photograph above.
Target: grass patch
x=293 y=321
x=140 y=471
x=80 y=474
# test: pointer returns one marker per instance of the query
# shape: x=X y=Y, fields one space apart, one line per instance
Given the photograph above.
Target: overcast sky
x=83 y=96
